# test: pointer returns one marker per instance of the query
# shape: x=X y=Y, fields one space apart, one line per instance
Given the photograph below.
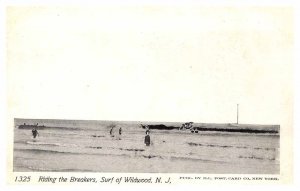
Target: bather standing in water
x=147 y=138
x=111 y=132
x=34 y=133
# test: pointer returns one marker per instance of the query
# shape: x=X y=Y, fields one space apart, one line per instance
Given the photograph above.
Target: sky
x=152 y=63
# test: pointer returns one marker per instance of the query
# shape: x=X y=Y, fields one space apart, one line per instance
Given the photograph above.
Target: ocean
x=87 y=146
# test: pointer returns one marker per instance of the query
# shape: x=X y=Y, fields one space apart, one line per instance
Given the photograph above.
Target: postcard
x=149 y=94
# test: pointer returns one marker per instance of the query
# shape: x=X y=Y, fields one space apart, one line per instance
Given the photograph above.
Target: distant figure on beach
x=147 y=138
x=34 y=133
x=120 y=131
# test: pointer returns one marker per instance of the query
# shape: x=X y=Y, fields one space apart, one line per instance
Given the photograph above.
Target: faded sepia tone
x=153 y=63
x=121 y=146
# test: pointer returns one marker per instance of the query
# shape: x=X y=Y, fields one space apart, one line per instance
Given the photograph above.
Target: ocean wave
x=256 y=158
x=136 y=150
x=91 y=147
x=24 y=158
x=69 y=152
x=97 y=136
x=229 y=146
x=42 y=143
x=121 y=149
x=267 y=149
x=85 y=153
x=50 y=144
x=47 y=127
x=152 y=156
x=195 y=159
x=46 y=151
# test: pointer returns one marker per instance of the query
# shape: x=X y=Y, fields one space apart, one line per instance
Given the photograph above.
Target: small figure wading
x=34 y=133
x=111 y=132
x=147 y=138
x=120 y=131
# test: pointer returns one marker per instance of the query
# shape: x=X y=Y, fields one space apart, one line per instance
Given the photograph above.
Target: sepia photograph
x=145 y=147
x=181 y=91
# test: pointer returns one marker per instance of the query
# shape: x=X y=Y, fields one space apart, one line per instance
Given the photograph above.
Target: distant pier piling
x=237 y=114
